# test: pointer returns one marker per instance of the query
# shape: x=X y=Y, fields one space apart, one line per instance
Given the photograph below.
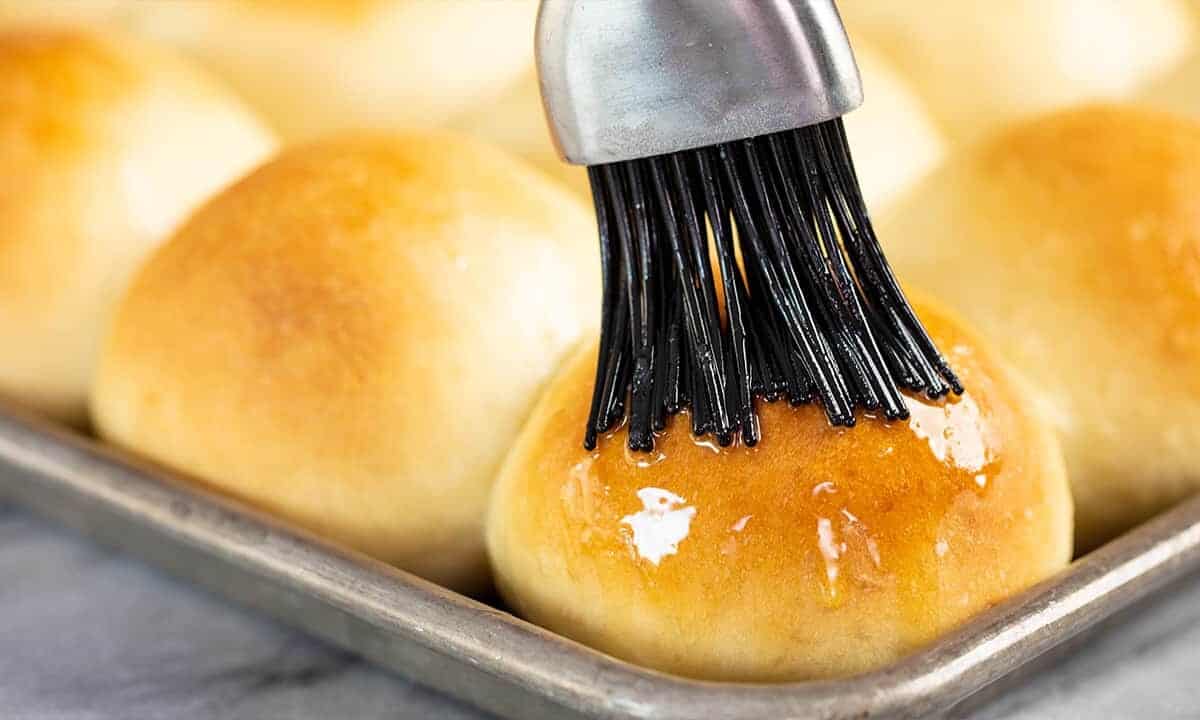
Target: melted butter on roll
x=1073 y=242
x=821 y=552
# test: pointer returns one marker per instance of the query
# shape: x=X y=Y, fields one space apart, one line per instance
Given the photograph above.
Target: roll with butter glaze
x=818 y=553
x=1073 y=242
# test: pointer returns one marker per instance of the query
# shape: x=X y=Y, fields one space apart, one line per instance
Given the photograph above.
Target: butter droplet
x=740 y=525
x=830 y=550
x=824 y=487
x=707 y=442
x=941 y=548
x=642 y=459
x=936 y=424
x=662 y=523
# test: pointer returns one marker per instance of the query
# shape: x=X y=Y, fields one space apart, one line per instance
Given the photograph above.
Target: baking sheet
x=509 y=667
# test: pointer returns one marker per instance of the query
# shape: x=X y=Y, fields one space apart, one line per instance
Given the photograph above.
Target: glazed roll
x=820 y=552
x=1073 y=242
x=351 y=336
x=106 y=144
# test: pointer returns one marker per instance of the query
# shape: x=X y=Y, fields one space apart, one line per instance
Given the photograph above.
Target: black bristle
x=738 y=374
x=813 y=312
x=607 y=309
x=632 y=230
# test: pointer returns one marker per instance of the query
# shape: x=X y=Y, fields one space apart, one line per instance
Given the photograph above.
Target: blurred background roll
x=516 y=122
x=69 y=12
x=106 y=144
x=351 y=336
x=981 y=64
x=820 y=552
x=1180 y=90
x=313 y=66
x=1073 y=242
x=894 y=139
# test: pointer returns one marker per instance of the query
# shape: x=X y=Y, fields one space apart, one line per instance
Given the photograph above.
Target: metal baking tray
x=502 y=664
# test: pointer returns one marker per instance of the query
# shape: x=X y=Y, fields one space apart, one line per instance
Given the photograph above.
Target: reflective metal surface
x=507 y=666
x=625 y=79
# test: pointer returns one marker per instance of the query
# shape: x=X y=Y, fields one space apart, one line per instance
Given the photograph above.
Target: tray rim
x=511 y=666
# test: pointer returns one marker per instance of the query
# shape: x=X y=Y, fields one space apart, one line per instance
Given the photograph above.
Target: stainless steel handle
x=624 y=79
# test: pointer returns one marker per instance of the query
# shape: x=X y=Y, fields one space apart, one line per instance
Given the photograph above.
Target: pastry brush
x=719 y=168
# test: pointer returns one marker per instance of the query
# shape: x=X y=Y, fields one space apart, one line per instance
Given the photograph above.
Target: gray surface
x=87 y=634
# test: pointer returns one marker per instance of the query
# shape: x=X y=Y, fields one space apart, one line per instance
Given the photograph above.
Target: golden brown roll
x=981 y=65
x=313 y=66
x=821 y=552
x=894 y=140
x=351 y=336
x=106 y=143
x=1073 y=242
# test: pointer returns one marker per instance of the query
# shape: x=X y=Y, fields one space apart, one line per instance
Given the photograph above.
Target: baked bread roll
x=894 y=140
x=77 y=13
x=1179 y=91
x=106 y=143
x=981 y=65
x=351 y=336
x=314 y=66
x=515 y=121
x=819 y=553
x=1073 y=241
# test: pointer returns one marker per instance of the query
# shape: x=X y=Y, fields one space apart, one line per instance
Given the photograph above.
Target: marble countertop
x=89 y=635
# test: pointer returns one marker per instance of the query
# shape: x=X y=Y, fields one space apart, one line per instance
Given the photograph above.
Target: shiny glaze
x=893 y=520
x=1088 y=277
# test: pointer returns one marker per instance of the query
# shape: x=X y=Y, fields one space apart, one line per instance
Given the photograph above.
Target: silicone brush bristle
x=812 y=312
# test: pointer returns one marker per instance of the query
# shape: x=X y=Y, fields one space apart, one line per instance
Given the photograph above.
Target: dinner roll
x=1179 y=91
x=351 y=336
x=821 y=552
x=106 y=143
x=981 y=64
x=894 y=140
x=1073 y=241
x=75 y=12
x=515 y=121
x=318 y=65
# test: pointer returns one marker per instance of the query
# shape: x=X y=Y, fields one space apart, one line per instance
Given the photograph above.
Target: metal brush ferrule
x=628 y=79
